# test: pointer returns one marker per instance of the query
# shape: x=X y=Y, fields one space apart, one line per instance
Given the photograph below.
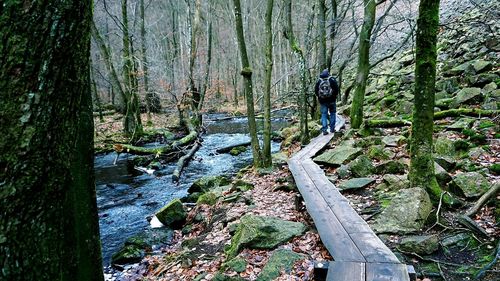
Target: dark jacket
x=335 y=88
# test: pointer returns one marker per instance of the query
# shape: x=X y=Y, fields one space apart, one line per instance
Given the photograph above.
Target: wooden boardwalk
x=359 y=255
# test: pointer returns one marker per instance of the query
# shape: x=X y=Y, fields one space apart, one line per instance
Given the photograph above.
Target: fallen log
x=474 y=112
x=483 y=199
x=386 y=123
x=226 y=149
x=183 y=161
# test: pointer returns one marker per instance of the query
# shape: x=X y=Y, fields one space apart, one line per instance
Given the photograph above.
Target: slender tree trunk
x=145 y=66
x=363 y=63
x=322 y=62
x=48 y=214
x=304 y=130
x=108 y=61
x=421 y=159
x=333 y=31
x=207 y=72
x=246 y=72
x=97 y=99
x=131 y=124
x=266 y=151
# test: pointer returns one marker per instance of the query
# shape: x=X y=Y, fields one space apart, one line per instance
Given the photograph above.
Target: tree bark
x=304 y=130
x=421 y=161
x=322 y=63
x=266 y=151
x=48 y=224
x=246 y=72
x=363 y=63
x=132 y=122
x=145 y=70
x=333 y=31
x=183 y=161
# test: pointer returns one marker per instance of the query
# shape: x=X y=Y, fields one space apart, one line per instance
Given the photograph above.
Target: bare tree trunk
x=363 y=63
x=96 y=99
x=304 y=130
x=246 y=72
x=333 y=31
x=322 y=62
x=266 y=151
x=145 y=63
x=48 y=224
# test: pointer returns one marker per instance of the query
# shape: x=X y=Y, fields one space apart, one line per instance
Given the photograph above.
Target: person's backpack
x=325 y=89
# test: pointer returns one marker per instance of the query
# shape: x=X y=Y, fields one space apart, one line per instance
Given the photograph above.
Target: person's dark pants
x=328 y=113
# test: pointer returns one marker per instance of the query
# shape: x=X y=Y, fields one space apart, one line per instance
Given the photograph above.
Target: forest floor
x=199 y=253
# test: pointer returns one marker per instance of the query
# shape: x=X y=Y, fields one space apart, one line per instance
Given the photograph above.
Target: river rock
x=467 y=96
x=356 y=183
x=396 y=182
x=135 y=247
x=204 y=184
x=390 y=167
x=422 y=245
x=337 y=156
x=471 y=184
x=173 y=214
x=362 y=166
x=282 y=260
x=407 y=212
x=393 y=140
x=257 y=232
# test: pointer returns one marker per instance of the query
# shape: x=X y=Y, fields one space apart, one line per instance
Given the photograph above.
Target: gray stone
x=343 y=172
x=407 y=212
x=442 y=95
x=454 y=239
x=482 y=66
x=356 y=183
x=443 y=146
x=204 y=184
x=444 y=103
x=460 y=124
x=362 y=166
x=442 y=175
x=258 y=232
x=476 y=152
x=282 y=260
x=396 y=182
x=379 y=152
x=390 y=167
x=173 y=214
x=422 y=245
x=467 y=96
x=490 y=105
x=471 y=184
x=458 y=70
x=447 y=85
x=482 y=79
x=338 y=156
x=447 y=162
x=488 y=88
x=393 y=140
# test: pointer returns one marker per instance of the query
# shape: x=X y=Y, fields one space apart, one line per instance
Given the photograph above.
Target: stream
x=126 y=197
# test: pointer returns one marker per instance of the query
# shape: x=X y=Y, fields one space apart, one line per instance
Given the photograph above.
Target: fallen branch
x=226 y=149
x=386 y=123
x=465 y=111
x=183 y=161
x=472 y=225
x=485 y=198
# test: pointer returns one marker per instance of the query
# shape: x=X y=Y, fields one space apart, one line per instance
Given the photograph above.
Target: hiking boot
x=325 y=133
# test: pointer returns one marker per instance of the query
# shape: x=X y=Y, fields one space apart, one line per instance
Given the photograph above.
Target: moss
x=479 y=139
x=208 y=198
x=461 y=145
x=237 y=264
x=484 y=124
x=495 y=169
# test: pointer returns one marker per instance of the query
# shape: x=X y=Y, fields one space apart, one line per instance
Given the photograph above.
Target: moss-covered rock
x=237 y=150
x=128 y=254
x=378 y=152
x=390 y=167
x=422 y=245
x=442 y=176
x=396 y=182
x=173 y=214
x=406 y=213
x=243 y=185
x=136 y=246
x=338 y=156
x=444 y=146
x=471 y=184
x=237 y=264
x=393 y=140
x=467 y=96
x=481 y=66
x=258 y=232
x=362 y=166
x=209 y=198
x=204 y=184
x=343 y=172
x=281 y=260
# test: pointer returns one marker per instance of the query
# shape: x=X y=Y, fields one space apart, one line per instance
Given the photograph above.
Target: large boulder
x=362 y=166
x=471 y=184
x=338 y=156
x=467 y=96
x=422 y=245
x=407 y=212
x=204 y=184
x=282 y=260
x=173 y=214
x=258 y=232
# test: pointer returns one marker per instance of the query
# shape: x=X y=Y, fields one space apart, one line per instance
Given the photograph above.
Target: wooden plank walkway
x=359 y=255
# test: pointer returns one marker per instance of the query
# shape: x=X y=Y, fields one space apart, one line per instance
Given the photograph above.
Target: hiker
x=326 y=90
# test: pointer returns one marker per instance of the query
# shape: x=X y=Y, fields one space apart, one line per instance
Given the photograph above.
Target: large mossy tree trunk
x=48 y=214
x=266 y=151
x=246 y=72
x=132 y=124
x=421 y=160
x=304 y=130
x=363 y=63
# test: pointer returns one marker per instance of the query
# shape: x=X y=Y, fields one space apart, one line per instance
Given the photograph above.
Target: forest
x=191 y=140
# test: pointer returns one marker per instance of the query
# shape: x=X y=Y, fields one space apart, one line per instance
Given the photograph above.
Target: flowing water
x=126 y=197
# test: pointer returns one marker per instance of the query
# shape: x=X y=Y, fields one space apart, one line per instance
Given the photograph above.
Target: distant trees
x=48 y=213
